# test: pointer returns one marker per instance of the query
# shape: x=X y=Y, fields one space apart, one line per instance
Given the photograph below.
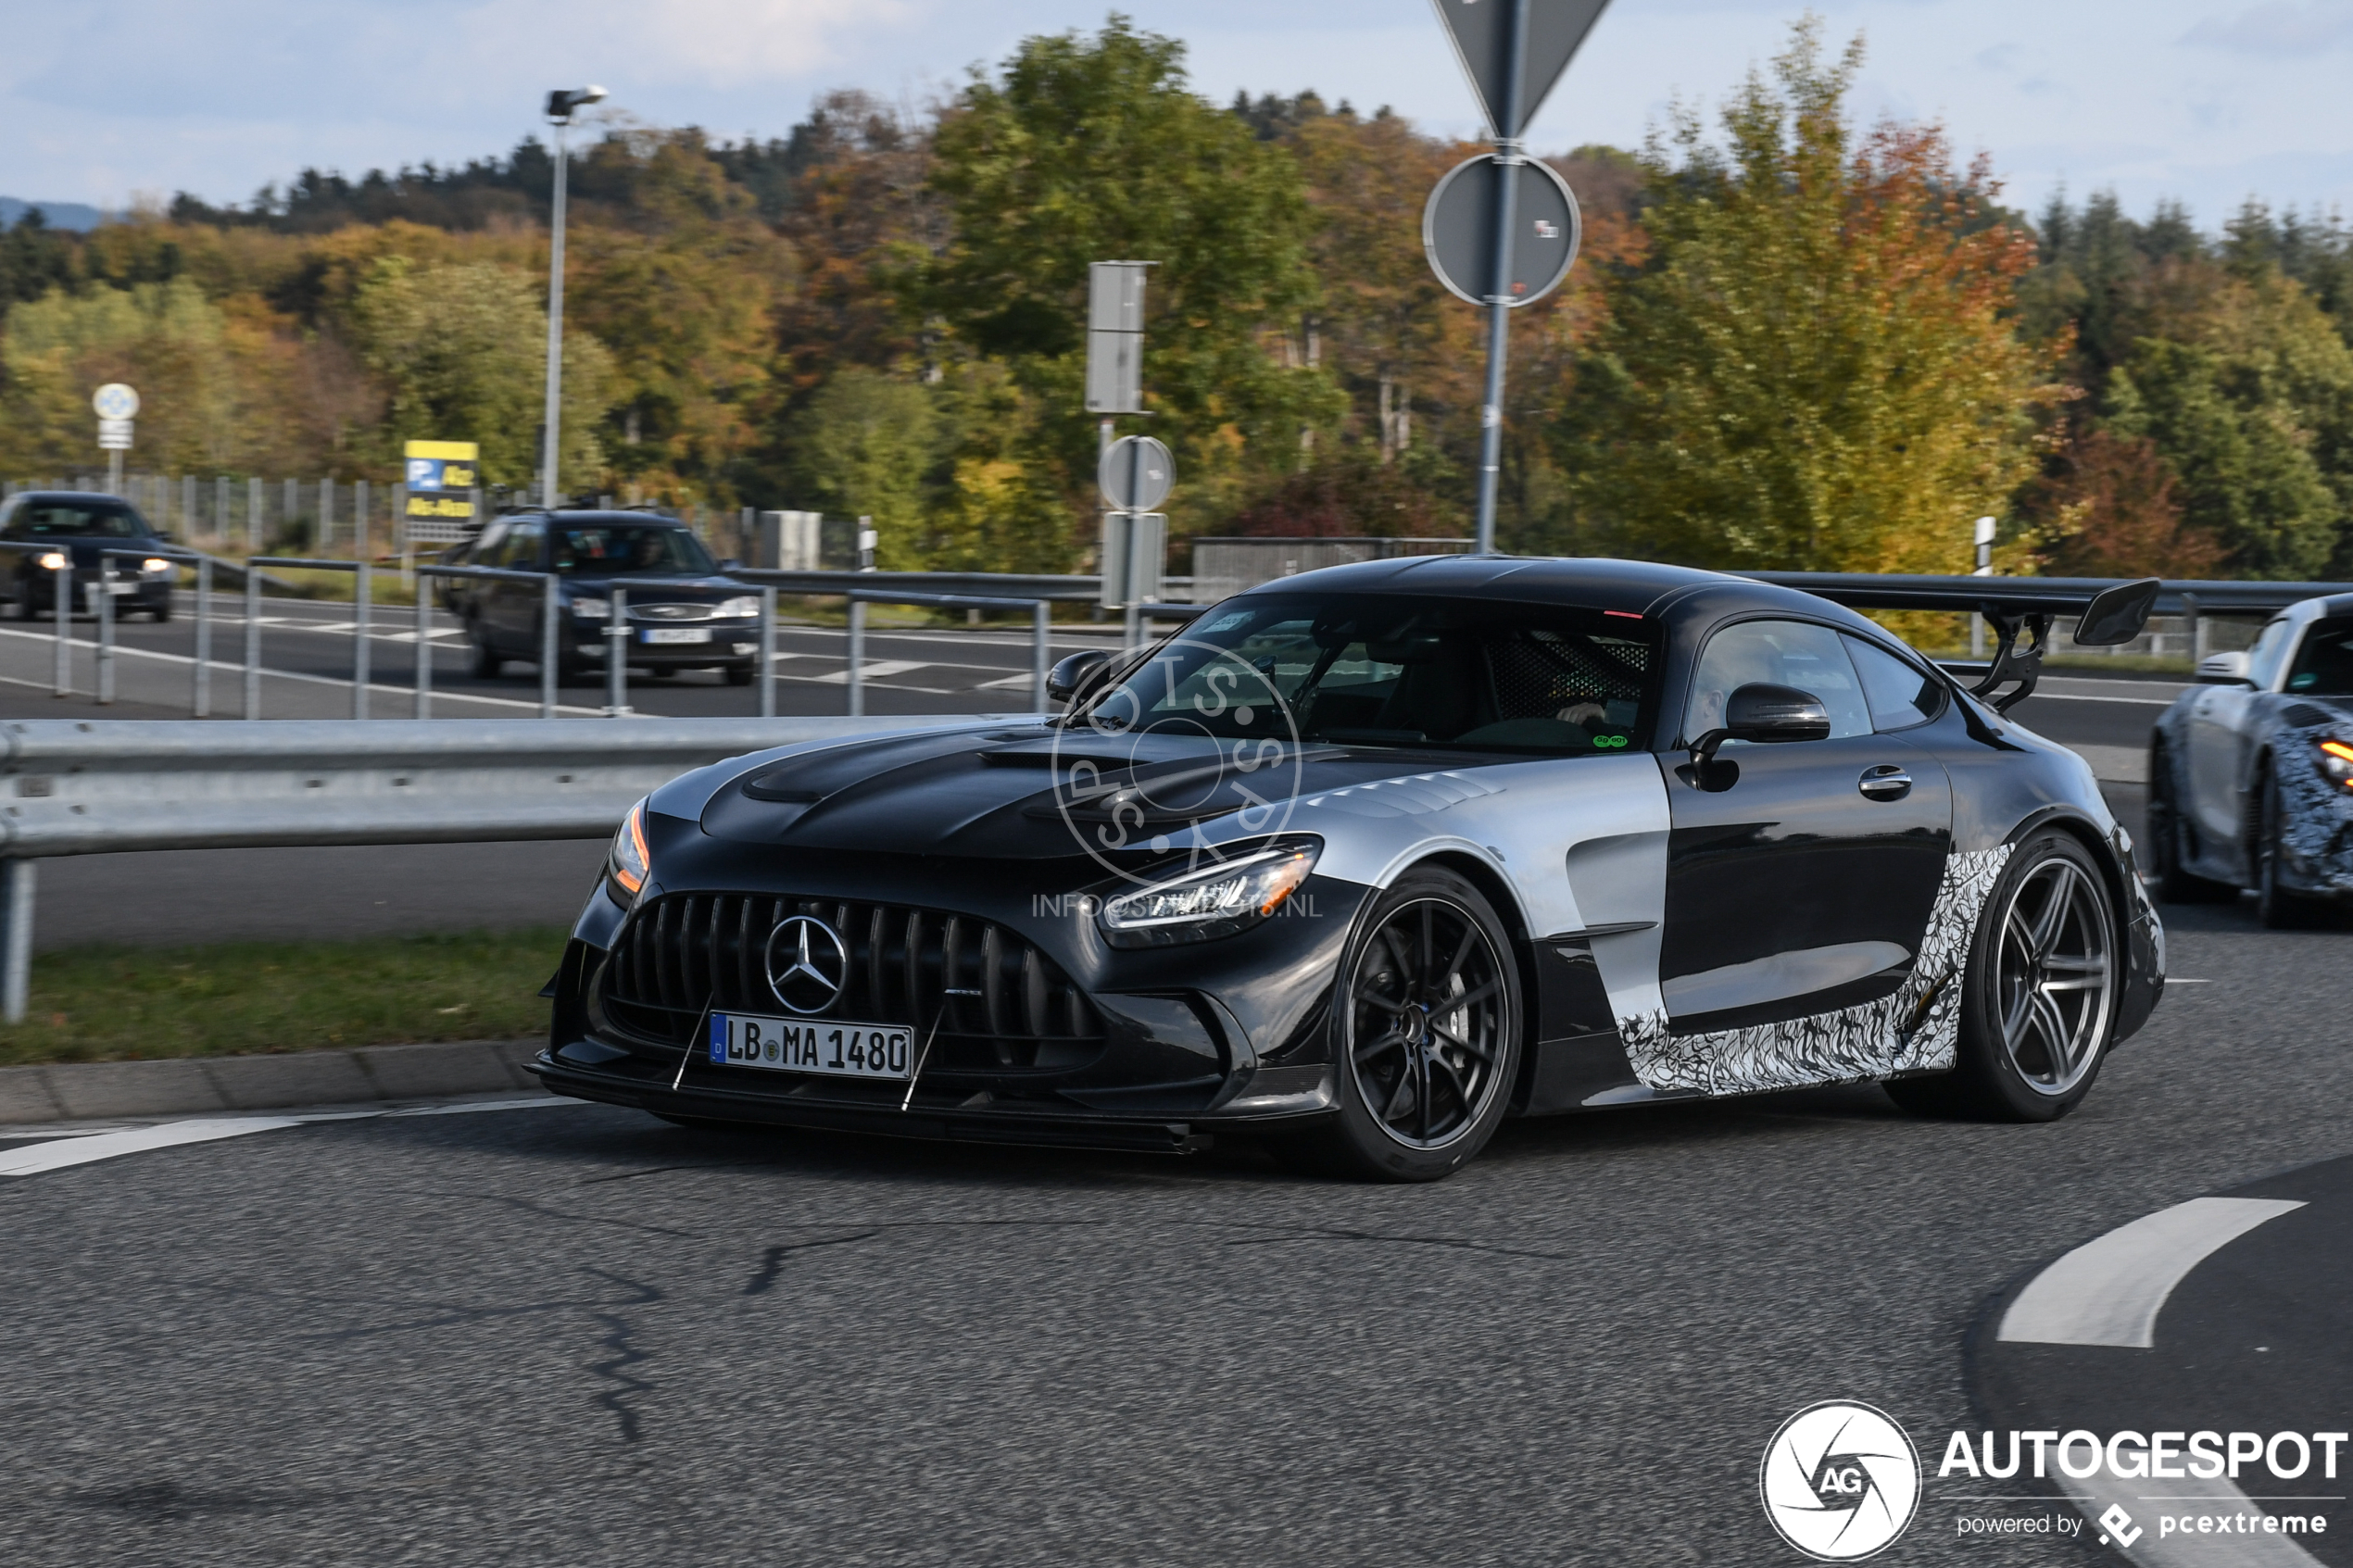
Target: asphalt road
x=580 y=1336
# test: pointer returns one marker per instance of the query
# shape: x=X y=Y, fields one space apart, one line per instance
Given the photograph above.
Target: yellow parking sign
x=435 y=469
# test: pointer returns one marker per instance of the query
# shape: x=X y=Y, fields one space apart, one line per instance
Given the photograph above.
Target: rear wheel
x=1426 y=1030
x=2039 y=998
x=2280 y=908
x=2174 y=885
x=162 y=612
x=486 y=662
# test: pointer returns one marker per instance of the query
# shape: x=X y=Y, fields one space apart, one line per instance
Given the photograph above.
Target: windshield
x=631 y=549
x=75 y=519
x=2324 y=664
x=1378 y=669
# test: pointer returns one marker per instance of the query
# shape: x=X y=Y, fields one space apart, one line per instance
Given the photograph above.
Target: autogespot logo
x=1196 y=734
x=1839 y=1481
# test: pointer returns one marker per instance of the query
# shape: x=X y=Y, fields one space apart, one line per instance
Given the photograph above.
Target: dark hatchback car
x=698 y=618
x=82 y=524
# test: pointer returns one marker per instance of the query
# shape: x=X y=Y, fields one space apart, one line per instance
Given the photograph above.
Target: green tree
x=1093 y=149
x=866 y=445
x=1815 y=364
x=462 y=348
x=2249 y=397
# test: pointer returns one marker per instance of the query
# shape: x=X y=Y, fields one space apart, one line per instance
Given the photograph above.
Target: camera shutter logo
x=1839 y=1481
x=808 y=964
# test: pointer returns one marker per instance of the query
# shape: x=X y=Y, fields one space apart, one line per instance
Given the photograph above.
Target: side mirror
x=2115 y=615
x=729 y=563
x=1766 y=713
x=2223 y=670
x=1071 y=677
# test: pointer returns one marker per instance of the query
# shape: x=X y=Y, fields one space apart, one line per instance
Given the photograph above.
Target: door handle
x=1886 y=782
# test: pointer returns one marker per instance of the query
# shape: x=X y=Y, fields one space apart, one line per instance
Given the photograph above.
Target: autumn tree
x=1815 y=365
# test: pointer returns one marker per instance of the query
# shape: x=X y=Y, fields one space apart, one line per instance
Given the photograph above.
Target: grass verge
x=232 y=998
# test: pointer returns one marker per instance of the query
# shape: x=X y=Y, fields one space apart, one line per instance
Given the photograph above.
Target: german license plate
x=677 y=633
x=837 y=1049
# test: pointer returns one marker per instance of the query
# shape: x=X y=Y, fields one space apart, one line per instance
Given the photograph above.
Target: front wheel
x=1427 y=1029
x=739 y=674
x=487 y=663
x=2038 y=1002
x=2279 y=907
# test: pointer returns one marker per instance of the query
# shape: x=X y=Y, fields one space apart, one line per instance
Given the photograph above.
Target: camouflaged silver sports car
x=1364 y=860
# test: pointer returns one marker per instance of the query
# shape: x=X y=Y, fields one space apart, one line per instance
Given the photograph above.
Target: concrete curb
x=85 y=1091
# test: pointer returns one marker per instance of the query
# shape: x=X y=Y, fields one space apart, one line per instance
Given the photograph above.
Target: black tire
x=2174 y=885
x=662 y=672
x=486 y=664
x=162 y=613
x=2278 y=907
x=739 y=674
x=2038 y=1004
x=1426 y=1033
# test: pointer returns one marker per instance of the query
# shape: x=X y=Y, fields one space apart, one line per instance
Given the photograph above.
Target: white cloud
x=716 y=44
x=2279 y=28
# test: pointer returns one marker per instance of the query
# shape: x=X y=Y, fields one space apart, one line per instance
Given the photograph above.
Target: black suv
x=81 y=524
x=700 y=618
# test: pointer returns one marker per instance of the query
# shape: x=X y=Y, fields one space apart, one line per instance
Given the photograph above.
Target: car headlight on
x=155 y=566
x=53 y=561
x=1216 y=901
x=629 y=864
x=2335 y=759
x=738 y=606
x=592 y=610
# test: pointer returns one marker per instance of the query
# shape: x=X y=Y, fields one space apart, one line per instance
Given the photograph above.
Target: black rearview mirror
x=1766 y=713
x=2115 y=615
x=1071 y=677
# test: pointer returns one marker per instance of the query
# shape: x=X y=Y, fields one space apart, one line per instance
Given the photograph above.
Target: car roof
x=1586 y=582
x=654 y=519
x=80 y=497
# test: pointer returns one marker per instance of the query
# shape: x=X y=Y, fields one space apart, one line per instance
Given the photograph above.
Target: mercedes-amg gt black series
x=1367 y=859
x=2251 y=771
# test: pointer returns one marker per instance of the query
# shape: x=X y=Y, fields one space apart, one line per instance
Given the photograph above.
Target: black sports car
x=1368 y=858
x=2251 y=771
x=698 y=618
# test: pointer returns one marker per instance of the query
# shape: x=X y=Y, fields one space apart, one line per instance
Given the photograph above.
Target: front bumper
x=731 y=642
x=1230 y=1034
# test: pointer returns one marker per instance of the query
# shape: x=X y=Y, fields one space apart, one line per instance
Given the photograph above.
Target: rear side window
x=1778 y=653
x=2323 y=664
x=1898 y=696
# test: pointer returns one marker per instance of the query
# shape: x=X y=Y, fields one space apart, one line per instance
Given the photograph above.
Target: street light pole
x=563 y=104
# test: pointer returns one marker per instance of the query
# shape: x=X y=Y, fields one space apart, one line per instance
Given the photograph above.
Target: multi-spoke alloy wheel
x=1428 y=1013
x=2054 y=980
x=2038 y=1001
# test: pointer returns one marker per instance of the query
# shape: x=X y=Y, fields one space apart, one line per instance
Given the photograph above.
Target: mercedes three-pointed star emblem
x=808 y=964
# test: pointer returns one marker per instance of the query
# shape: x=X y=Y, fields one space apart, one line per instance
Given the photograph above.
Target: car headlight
x=155 y=566
x=1216 y=901
x=741 y=605
x=629 y=864
x=2335 y=759
x=592 y=610
x=53 y=561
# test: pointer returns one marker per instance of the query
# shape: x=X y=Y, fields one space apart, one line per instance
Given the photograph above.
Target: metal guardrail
x=74 y=789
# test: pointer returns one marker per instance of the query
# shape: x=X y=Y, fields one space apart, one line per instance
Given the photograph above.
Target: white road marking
x=2110 y=1290
x=1011 y=682
x=876 y=669
x=81 y=1149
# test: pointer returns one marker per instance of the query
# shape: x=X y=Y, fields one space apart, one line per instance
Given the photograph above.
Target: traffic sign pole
x=1509 y=156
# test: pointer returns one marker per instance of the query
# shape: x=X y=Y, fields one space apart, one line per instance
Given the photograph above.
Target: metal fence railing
x=88 y=789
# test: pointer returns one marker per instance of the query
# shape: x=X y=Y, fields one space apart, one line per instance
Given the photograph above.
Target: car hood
x=1030 y=792
x=673 y=588
x=2303 y=710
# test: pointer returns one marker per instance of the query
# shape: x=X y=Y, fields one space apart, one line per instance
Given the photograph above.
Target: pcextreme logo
x=1839 y=1481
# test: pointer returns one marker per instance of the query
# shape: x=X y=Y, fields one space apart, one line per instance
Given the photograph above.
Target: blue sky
x=2206 y=100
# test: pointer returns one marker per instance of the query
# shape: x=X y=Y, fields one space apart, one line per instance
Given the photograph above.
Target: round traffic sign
x=1458 y=231
x=115 y=401
x=1136 y=473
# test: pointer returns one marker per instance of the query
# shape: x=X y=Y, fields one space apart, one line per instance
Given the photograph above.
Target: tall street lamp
x=563 y=104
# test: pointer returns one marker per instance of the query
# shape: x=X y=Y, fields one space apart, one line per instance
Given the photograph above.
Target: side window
x=521 y=552
x=2324 y=662
x=1898 y=696
x=2263 y=659
x=1778 y=653
x=490 y=548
